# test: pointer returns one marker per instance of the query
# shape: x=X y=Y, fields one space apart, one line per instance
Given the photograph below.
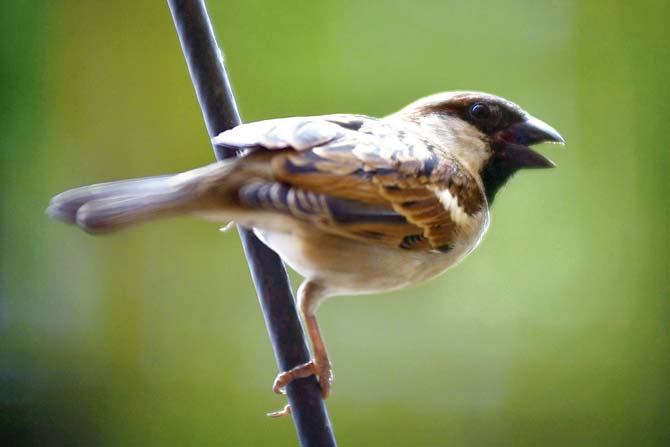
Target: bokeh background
x=554 y=332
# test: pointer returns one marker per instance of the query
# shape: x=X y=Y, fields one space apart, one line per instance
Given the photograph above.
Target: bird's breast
x=349 y=267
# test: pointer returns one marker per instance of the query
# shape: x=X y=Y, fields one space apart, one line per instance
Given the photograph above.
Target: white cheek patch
x=459 y=138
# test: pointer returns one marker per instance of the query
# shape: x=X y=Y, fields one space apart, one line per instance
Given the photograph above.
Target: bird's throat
x=495 y=173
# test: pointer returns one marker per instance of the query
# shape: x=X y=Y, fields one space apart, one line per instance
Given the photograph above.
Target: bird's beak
x=517 y=137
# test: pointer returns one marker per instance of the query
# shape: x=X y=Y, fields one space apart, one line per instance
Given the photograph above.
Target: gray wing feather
x=299 y=133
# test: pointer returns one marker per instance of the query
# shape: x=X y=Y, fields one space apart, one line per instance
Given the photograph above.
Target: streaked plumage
x=355 y=204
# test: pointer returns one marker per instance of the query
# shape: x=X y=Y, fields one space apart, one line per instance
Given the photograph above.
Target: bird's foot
x=281 y=413
x=324 y=374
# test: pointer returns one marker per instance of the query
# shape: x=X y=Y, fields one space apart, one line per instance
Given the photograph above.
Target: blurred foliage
x=554 y=332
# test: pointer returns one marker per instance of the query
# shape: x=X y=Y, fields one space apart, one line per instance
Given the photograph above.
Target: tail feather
x=108 y=207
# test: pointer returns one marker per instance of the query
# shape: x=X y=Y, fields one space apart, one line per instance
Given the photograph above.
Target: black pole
x=206 y=66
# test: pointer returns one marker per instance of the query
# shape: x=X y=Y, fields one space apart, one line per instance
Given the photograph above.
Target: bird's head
x=489 y=134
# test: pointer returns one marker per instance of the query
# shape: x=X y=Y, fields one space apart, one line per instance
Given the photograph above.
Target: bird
x=354 y=204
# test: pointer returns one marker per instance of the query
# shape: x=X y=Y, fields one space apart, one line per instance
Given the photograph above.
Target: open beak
x=517 y=137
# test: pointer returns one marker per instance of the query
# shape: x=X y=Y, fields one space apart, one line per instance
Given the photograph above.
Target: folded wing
x=361 y=178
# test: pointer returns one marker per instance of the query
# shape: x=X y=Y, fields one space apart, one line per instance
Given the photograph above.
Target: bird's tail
x=108 y=207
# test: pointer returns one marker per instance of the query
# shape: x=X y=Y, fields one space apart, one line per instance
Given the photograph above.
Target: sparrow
x=354 y=204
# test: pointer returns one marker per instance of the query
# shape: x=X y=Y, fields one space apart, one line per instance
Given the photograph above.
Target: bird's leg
x=321 y=363
x=309 y=296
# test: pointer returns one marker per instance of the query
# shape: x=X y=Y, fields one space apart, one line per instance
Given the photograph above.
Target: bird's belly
x=348 y=267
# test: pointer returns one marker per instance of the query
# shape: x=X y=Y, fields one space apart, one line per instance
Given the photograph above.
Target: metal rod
x=212 y=86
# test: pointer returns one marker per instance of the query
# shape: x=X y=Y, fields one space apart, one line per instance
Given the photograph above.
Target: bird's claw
x=281 y=413
x=286 y=377
x=323 y=373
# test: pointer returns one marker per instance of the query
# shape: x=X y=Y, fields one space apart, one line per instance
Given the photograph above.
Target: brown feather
x=374 y=163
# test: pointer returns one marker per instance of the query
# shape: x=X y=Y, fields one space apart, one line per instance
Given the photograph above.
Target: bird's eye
x=480 y=112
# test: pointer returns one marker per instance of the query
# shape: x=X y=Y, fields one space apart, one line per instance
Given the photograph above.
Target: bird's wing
x=361 y=177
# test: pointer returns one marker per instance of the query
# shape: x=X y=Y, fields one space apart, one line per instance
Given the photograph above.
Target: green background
x=553 y=332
